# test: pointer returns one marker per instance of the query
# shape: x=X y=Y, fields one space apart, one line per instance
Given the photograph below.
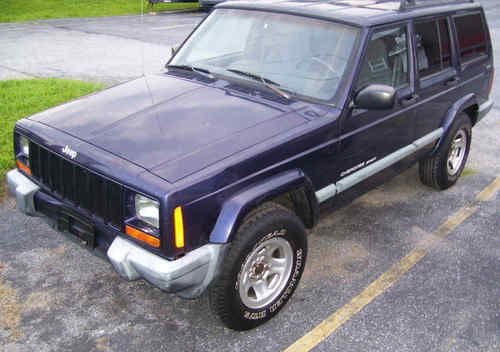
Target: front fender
x=235 y=208
x=459 y=106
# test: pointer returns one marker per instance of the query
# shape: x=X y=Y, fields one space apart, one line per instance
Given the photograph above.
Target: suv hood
x=168 y=124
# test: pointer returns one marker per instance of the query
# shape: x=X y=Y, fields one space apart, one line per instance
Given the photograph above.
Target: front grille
x=84 y=189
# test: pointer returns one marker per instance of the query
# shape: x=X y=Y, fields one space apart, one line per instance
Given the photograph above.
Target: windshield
x=300 y=55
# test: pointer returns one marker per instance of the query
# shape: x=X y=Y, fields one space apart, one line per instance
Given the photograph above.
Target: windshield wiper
x=201 y=71
x=265 y=81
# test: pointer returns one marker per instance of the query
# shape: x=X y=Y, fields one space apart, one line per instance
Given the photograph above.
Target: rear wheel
x=262 y=268
x=443 y=169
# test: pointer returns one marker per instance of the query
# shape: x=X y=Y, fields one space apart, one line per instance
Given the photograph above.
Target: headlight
x=24 y=146
x=147 y=210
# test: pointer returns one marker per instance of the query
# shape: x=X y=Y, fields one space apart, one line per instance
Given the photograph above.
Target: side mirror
x=375 y=97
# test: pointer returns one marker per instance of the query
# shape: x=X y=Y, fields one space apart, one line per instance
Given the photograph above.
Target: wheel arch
x=472 y=111
x=467 y=104
x=292 y=189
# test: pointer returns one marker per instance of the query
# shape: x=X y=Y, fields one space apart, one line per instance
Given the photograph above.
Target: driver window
x=386 y=59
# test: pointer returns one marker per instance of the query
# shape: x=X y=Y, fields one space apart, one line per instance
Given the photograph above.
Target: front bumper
x=24 y=190
x=484 y=109
x=188 y=276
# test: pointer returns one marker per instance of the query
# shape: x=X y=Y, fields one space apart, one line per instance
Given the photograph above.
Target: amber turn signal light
x=178 y=228
x=23 y=167
x=142 y=236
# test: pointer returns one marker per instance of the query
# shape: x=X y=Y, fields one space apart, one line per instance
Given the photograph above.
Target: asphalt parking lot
x=403 y=268
x=110 y=49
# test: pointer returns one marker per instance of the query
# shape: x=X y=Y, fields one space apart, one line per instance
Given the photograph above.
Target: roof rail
x=408 y=4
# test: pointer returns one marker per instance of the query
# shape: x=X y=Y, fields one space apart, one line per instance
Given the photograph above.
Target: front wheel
x=442 y=170
x=262 y=268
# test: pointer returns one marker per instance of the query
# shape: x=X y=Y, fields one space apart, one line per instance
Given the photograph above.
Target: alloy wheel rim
x=265 y=272
x=456 y=154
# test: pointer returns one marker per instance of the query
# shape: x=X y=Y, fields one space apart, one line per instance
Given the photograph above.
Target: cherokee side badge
x=69 y=152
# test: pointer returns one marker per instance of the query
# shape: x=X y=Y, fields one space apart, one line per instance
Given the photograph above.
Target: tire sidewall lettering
x=292 y=283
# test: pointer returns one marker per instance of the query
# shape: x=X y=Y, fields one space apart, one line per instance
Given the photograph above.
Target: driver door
x=369 y=135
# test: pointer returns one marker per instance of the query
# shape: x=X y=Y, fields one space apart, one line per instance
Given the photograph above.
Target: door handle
x=409 y=100
x=452 y=81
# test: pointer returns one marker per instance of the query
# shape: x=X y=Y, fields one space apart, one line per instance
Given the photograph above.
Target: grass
x=469 y=172
x=16 y=11
x=20 y=98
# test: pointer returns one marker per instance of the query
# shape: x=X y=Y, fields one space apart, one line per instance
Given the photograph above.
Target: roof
x=357 y=12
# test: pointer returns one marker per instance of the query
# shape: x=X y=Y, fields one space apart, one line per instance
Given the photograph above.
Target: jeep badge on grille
x=69 y=152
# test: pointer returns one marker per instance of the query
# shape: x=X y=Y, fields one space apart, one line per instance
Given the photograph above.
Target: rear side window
x=471 y=36
x=433 y=46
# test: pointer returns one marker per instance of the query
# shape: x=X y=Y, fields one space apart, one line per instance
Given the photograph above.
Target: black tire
x=434 y=170
x=263 y=225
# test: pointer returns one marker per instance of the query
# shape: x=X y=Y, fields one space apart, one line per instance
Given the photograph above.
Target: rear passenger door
x=437 y=76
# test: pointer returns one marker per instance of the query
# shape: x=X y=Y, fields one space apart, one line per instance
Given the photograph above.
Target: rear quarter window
x=471 y=34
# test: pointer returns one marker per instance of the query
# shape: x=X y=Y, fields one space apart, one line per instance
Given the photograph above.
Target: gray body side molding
x=347 y=182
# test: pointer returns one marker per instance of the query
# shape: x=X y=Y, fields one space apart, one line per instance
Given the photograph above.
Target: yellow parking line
x=387 y=279
x=488 y=193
